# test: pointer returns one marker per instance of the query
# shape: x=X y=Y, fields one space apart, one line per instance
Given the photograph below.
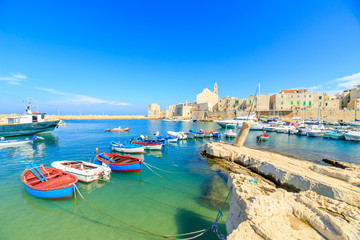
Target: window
x=320 y=97
x=326 y=104
x=304 y=103
x=298 y=102
x=298 y=96
x=349 y=97
x=309 y=103
x=342 y=103
x=249 y=101
x=282 y=103
x=282 y=96
x=292 y=96
x=304 y=96
x=292 y=102
x=309 y=96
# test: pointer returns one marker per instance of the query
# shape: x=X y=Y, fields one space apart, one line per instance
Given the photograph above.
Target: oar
x=38 y=169
x=34 y=172
x=103 y=156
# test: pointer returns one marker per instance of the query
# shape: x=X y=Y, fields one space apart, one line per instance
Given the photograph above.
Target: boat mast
x=258 y=103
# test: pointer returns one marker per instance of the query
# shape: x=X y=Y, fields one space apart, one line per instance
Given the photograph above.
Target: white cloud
x=71 y=98
x=349 y=81
x=14 y=79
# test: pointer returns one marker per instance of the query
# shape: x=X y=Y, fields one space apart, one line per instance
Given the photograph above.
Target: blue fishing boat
x=216 y=134
x=45 y=182
x=120 y=163
x=168 y=138
x=15 y=142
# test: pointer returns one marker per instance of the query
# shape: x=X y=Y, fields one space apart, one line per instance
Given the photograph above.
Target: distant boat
x=169 y=138
x=84 y=171
x=215 y=134
x=120 y=163
x=334 y=135
x=16 y=142
x=179 y=135
x=28 y=124
x=352 y=136
x=45 y=182
x=118 y=129
x=127 y=148
x=262 y=137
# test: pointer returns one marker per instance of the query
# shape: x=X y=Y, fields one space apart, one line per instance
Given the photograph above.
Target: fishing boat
x=215 y=134
x=179 y=135
x=169 y=138
x=207 y=134
x=118 y=129
x=238 y=122
x=334 y=135
x=262 y=137
x=149 y=145
x=197 y=134
x=16 y=142
x=28 y=124
x=120 y=163
x=45 y=182
x=352 y=136
x=84 y=171
x=230 y=133
x=127 y=147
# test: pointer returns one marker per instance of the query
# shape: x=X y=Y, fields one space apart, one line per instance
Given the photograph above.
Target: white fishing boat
x=127 y=148
x=352 y=136
x=179 y=135
x=16 y=142
x=238 y=122
x=84 y=171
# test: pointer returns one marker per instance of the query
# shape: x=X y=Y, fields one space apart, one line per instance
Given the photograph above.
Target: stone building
x=292 y=99
x=208 y=97
x=183 y=110
x=228 y=103
x=154 y=111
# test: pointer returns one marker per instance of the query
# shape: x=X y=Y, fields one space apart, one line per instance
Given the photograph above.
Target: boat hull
x=28 y=128
x=150 y=146
x=128 y=150
x=121 y=167
x=350 y=137
x=52 y=194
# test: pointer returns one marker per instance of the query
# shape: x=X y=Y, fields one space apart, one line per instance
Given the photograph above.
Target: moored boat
x=118 y=129
x=28 y=124
x=334 y=135
x=120 y=163
x=150 y=145
x=215 y=134
x=179 y=135
x=262 y=137
x=352 y=136
x=127 y=148
x=84 y=171
x=16 y=142
x=50 y=183
x=230 y=133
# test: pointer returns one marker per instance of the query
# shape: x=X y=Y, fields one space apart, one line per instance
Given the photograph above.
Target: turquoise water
x=171 y=204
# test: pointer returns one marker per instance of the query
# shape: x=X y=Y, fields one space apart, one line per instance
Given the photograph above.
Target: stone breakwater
x=292 y=198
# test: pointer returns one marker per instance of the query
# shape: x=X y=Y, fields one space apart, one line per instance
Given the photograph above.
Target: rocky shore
x=275 y=196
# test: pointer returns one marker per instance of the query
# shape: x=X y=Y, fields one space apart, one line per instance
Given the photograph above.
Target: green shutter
x=304 y=103
x=320 y=97
x=282 y=103
x=291 y=102
x=298 y=102
x=326 y=104
x=250 y=102
x=309 y=103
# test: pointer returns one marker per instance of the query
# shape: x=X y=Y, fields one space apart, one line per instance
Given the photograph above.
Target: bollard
x=240 y=138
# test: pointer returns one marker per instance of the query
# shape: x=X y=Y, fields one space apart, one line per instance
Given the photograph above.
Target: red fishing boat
x=262 y=137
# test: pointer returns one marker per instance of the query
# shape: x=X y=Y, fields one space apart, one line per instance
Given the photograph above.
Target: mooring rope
x=163 y=169
x=214 y=226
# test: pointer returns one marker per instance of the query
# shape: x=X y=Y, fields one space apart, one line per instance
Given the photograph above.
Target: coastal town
x=286 y=105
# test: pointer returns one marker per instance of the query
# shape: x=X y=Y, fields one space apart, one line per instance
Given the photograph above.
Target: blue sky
x=116 y=57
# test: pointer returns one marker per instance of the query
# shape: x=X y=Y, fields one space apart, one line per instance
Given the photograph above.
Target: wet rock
x=215 y=192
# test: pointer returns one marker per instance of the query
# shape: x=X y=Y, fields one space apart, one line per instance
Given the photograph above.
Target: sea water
x=173 y=196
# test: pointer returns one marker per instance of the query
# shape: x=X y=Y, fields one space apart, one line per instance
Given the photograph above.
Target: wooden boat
x=207 y=134
x=118 y=129
x=149 y=145
x=16 y=142
x=45 y=182
x=262 y=137
x=127 y=148
x=120 y=163
x=215 y=134
x=84 y=171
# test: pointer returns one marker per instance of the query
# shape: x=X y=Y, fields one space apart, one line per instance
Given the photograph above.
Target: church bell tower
x=216 y=89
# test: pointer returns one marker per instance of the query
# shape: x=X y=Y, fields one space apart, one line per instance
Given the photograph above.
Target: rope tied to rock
x=246 y=179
